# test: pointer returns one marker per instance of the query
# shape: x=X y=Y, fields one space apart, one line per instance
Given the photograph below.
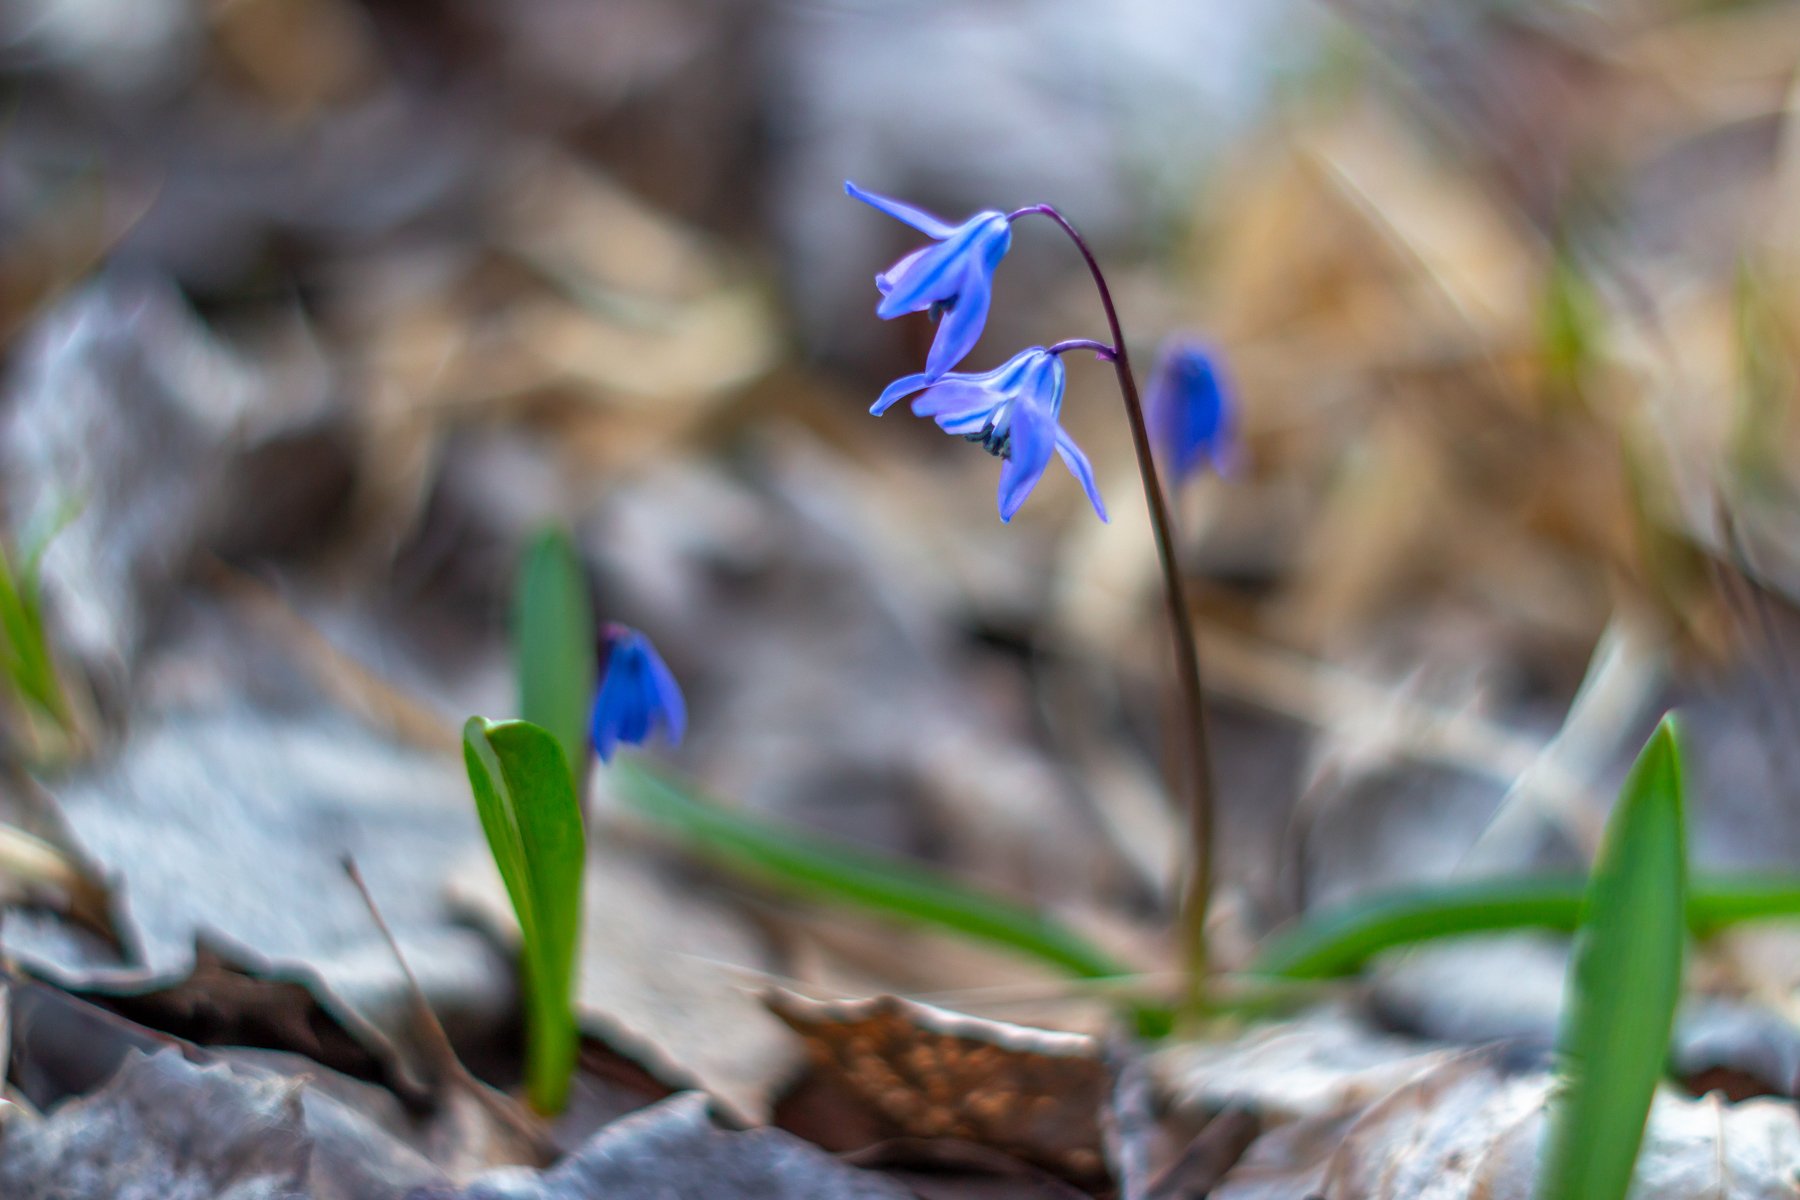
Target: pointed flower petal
x=967 y=423
x=906 y=385
x=669 y=701
x=962 y=324
x=953 y=395
x=918 y=218
x=884 y=282
x=1032 y=438
x=1078 y=465
x=918 y=281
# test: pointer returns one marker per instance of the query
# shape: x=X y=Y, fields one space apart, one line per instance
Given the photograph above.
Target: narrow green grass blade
x=553 y=639
x=1341 y=941
x=824 y=868
x=1718 y=901
x=14 y=625
x=525 y=797
x=1623 y=986
x=1569 y=323
x=24 y=646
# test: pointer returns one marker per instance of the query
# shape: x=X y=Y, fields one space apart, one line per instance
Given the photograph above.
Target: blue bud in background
x=953 y=279
x=637 y=692
x=1012 y=412
x=1190 y=413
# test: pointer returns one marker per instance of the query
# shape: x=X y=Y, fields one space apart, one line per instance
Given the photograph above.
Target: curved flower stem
x=1198 y=886
x=1102 y=351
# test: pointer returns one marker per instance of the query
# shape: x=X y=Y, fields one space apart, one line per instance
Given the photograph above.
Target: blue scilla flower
x=1190 y=412
x=1012 y=412
x=637 y=692
x=954 y=278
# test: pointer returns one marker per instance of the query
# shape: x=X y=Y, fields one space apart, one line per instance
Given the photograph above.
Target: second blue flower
x=1012 y=411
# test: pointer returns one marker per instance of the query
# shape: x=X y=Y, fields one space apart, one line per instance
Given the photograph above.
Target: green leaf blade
x=499 y=820
x=1624 y=984
x=25 y=657
x=553 y=639
x=525 y=798
x=823 y=868
x=1343 y=939
x=1340 y=941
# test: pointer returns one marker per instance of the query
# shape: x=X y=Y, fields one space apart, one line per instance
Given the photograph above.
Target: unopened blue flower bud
x=637 y=693
x=1190 y=412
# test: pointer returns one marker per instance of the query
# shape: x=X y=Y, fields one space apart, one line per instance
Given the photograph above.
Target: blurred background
x=313 y=311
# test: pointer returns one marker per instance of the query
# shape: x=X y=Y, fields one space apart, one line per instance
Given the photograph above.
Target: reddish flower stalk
x=1197 y=888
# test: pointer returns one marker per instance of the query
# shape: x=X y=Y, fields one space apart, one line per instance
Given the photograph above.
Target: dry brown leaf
x=1461 y=244
x=298 y=54
x=679 y=365
x=678 y=1149
x=930 y=1073
x=1467 y=1129
x=1321 y=1064
x=225 y=826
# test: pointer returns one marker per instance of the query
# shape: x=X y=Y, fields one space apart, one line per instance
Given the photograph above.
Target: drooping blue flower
x=1190 y=412
x=1011 y=412
x=637 y=692
x=954 y=278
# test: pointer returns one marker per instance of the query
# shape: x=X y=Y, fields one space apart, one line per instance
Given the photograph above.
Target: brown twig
x=506 y=1111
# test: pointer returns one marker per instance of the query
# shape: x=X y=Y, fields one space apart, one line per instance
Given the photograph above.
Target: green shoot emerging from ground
x=553 y=639
x=25 y=661
x=525 y=794
x=1623 y=985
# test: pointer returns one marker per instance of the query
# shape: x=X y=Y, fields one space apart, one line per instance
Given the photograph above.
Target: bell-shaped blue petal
x=1012 y=411
x=884 y=282
x=1190 y=412
x=902 y=387
x=964 y=317
x=957 y=391
x=953 y=279
x=1031 y=439
x=637 y=693
x=1028 y=427
x=1078 y=465
x=942 y=273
